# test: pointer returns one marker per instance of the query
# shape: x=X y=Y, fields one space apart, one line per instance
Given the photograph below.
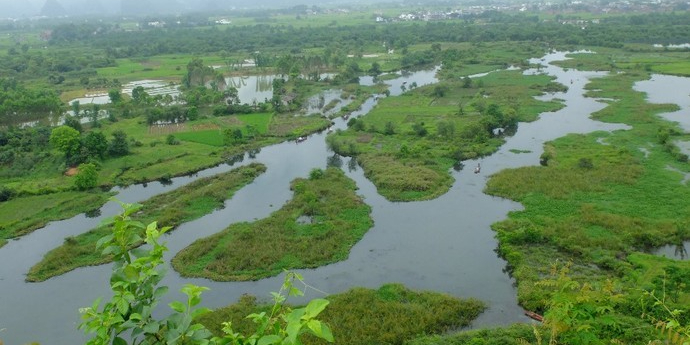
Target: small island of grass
x=392 y=314
x=181 y=205
x=318 y=226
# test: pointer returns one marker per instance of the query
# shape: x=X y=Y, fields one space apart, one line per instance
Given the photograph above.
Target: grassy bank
x=318 y=226
x=23 y=215
x=184 y=204
x=408 y=143
x=518 y=334
x=392 y=315
x=602 y=199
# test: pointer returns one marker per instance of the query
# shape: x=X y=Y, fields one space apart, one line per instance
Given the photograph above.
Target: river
x=444 y=244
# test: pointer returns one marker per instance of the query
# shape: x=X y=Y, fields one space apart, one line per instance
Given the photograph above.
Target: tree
x=389 y=128
x=445 y=129
x=375 y=69
x=440 y=91
x=67 y=140
x=87 y=177
x=75 y=108
x=115 y=96
x=118 y=146
x=232 y=136
x=95 y=110
x=73 y=121
x=139 y=95
x=136 y=294
x=94 y=144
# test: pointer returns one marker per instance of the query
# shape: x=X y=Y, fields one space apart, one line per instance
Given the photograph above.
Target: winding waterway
x=444 y=244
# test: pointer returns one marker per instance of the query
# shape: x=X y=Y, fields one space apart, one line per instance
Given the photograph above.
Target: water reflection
x=678 y=251
x=335 y=161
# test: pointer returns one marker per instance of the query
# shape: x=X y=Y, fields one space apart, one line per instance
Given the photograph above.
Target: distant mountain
x=52 y=8
x=92 y=7
x=149 y=7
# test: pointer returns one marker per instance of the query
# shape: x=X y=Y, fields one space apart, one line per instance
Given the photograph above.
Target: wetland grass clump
x=181 y=205
x=597 y=206
x=336 y=219
x=408 y=144
x=392 y=315
x=22 y=215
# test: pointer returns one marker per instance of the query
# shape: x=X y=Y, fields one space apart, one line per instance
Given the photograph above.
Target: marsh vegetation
x=594 y=208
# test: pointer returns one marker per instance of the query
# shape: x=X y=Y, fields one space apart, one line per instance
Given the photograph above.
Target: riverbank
x=169 y=209
x=408 y=144
x=597 y=202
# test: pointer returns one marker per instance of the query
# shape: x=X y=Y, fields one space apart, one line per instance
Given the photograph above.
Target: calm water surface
x=444 y=244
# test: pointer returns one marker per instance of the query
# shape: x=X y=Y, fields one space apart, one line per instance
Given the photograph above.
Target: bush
x=585 y=163
x=6 y=193
x=87 y=177
x=316 y=174
x=172 y=140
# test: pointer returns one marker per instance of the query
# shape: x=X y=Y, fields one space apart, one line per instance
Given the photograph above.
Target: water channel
x=443 y=245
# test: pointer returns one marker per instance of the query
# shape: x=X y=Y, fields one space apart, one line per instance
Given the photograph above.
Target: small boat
x=477 y=169
x=301 y=139
x=534 y=316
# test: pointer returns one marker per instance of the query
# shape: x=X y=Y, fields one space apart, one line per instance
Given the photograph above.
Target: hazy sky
x=27 y=8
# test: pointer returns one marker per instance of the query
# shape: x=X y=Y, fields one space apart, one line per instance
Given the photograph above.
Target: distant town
x=156 y=10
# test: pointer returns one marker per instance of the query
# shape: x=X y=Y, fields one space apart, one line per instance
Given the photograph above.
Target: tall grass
x=169 y=209
x=23 y=215
x=599 y=205
x=392 y=315
x=408 y=143
x=324 y=219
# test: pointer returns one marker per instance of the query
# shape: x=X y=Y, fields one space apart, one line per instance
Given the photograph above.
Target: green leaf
x=103 y=240
x=119 y=341
x=131 y=273
x=320 y=330
x=269 y=339
x=178 y=306
x=122 y=306
x=295 y=292
x=198 y=312
x=315 y=307
x=160 y=292
x=151 y=328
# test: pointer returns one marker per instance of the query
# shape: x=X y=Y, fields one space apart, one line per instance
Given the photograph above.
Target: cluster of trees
x=25 y=63
x=20 y=104
x=21 y=149
x=613 y=32
x=171 y=114
x=93 y=145
x=199 y=74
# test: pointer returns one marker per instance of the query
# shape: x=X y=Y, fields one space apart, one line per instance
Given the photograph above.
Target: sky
x=28 y=8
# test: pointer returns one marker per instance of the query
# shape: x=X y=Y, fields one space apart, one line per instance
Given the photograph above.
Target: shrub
x=6 y=193
x=87 y=177
x=172 y=140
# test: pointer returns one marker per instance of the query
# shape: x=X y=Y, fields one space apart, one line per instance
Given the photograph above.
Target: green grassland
x=407 y=166
x=318 y=226
x=391 y=314
x=25 y=214
x=173 y=208
x=635 y=58
x=165 y=67
x=598 y=205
